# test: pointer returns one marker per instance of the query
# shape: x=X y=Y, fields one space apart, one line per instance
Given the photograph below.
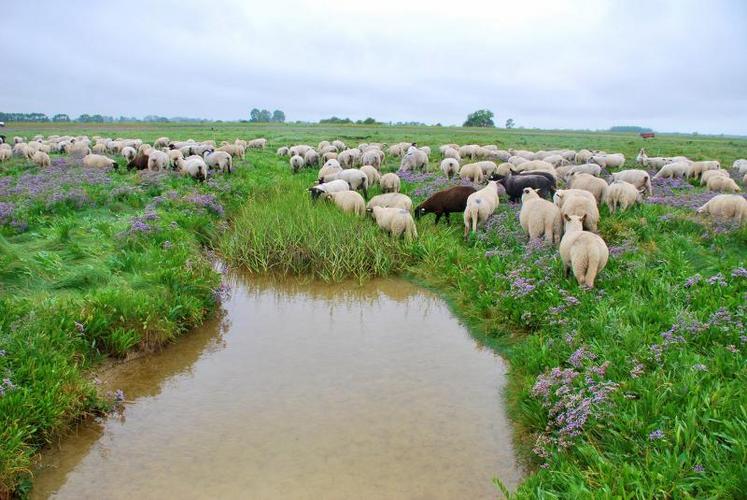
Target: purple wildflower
x=119 y=396
x=655 y=435
x=739 y=272
x=6 y=212
x=698 y=468
x=637 y=370
x=693 y=280
x=717 y=279
x=207 y=201
x=577 y=358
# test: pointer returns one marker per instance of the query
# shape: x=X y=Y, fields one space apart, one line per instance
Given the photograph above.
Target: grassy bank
x=632 y=389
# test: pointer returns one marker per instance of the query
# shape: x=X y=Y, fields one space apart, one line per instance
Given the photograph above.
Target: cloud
x=672 y=64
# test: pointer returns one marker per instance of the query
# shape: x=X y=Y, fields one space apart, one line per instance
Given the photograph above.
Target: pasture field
x=632 y=389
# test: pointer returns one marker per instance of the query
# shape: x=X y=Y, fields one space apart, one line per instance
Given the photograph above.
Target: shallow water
x=301 y=391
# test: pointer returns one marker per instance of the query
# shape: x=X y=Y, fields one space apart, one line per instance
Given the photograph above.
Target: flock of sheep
x=570 y=219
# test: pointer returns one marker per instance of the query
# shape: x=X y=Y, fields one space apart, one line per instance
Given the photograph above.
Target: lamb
x=41 y=159
x=129 y=153
x=395 y=221
x=395 y=200
x=515 y=184
x=676 y=169
x=311 y=158
x=157 y=160
x=282 y=151
x=328 y=187
x=329 y=167
x=445 y=202
x=740 y=165
x=161 y=142
x=372 y=173
x=296 y=163
x=698 y=167
x=638 y=178
x=621 y=194
x=584 y=208
x=480 y=205
x=417 y=159
x=390 y=183
x=219 y=159
x=712 y=173
x=450 y=167
x=539 y=217
x=583 y=252
x=194 y=166
x=721 y=183
x=98 y=161
x=727 y=206
x=589 y=183
x=347 y=201
x=472 y=172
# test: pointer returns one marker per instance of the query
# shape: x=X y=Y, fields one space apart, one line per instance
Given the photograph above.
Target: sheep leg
x=438 y=216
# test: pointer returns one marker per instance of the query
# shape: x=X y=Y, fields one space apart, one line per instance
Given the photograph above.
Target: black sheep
x=445 y=202
x=140 y=162
x=515 y=184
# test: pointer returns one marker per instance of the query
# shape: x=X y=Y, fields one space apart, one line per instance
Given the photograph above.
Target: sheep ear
x=566 y=217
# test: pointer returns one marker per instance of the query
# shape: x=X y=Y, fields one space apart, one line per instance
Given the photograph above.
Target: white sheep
x=583 y=207
x=621 y=194
x=712 y=173
x=158 y=160
x=414 y=160
x=450 y=167
x=676 y=169
x=329 y=187
x=395 y=221
x=329 y=155
x=726 y=206
x=235 y=150
x=561 y=195
x=517 y=160
x=372 y=157
x=472 y=172
x=539 y=217
x=348 y=157
x=218 y=159
x=581 y=251
x=469 y=151
x=257 y=143
x=488 y=167
x=282 y=151
x=41 y=159
x=99 y=148
x=130 y=153
x=587 y=182
x=523 y=153
x=5 y=154
x=372 y=173
x=582 y=156
x=339 y=144
x=311 y=158
x=723 y=184
x=639 y=178
x=193 y=166
x=450 y=152
x=330 y=167
x=740 y=165
x=480 y=205
x=296 y=163
x=347 y=201
x=698 y=167
x=161 y=142
x=392 y=200
x=354 y=177
x=536 y=166
x=174 y=154
x=390 y=183
x=556 y=160
x=98 y=161
x=586 y=168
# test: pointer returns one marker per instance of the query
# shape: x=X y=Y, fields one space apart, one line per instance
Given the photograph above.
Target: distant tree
x=629 y=128
x=510 y=123
x=254 y=115
x=278 y=116
x=83 y=118
x=265 y=116
x=335 y=119
x=61 y=117
x=480 y=118
x=369 y=121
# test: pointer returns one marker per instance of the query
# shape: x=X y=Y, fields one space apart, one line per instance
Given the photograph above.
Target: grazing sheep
x=99 y=148
x=348 y=158
x=515 y=184
x=233 y=149
x=158 y=160
x=740 y=165
x=450 y=152
x=296 y=163
x=504 y=169
x=219 y=159
x=390 y=183
x=523 y=153
x=174 y=154
x=329 y=187
x=638 y=178
x=392 y=200
x=723 y=184
x=450 y=167
x=712 y=173
x=469 y=151
x=586 y=168
x=621 y=194
x=445 y=202
x=311 y=158
x=536 y=166
x=372 y=173
x=161 y=142
x=329 y=155
x=583 y=207
x=414 y=160
x=395 y=221
x=98 y=161
x=129 y=153
x=41 y=159
x=565 y=194
x=257 y=143
x=282 y=151
x=194 y=166
x=347 y=201
x=698 y=167
x=298 y=150
x=726 y=206
x=587 y=182
x=582 y=157
x=339 y=144
x=480 y=205
x=600 y=160
x=330 y=167
x=539 y=217
x=583 y=252
x=357 y=179
x=471 y=172
x=5 y=154
x=372 y=157
x=517 y=160
x=556 y=160
x=676 y=169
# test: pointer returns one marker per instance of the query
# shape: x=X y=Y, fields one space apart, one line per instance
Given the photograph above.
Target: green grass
x=71 y=266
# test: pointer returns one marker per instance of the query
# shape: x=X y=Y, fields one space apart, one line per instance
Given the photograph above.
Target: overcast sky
x=674 y=65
